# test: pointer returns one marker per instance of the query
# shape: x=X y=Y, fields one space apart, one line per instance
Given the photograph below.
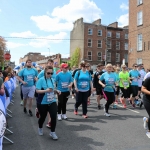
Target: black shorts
x=125 y=92
x=140 y=88
x=99 y=91
x=134 y=90
x=117 y=90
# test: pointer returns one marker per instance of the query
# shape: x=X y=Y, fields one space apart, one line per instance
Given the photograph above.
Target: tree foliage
x=74 y=61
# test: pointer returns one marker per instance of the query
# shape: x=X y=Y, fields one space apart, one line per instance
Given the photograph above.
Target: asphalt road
x=122 y=131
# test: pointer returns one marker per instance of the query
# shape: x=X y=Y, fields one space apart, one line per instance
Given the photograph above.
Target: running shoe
x=84 y=116
x=40 y=131
x=124 y=106
x=116 y=101
x=37 y=113
x=64 y=116
x=72 y=97
x=75 y=112
x=48 y=125
x=148 y=134
x=99 y=106
x=30 y=113
x=114 y=106
x=21 y=103
x=53 y=135
x=59 y=117
x=25 y=110
x=133 y=105
x=107 y=114
x=145 y=125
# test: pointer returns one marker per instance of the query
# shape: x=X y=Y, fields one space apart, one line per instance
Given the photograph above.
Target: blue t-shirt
x=109 y=79
x=28 y=76
x=83 y=80
x=45 y=98
x=63 y=80
x=134 y=74
x=41 y=74
x=117 y=77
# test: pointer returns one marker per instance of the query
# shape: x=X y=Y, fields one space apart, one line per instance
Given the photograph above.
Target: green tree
x=74 y=61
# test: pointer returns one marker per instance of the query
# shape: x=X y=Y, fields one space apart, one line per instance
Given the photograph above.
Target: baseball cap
x=64 y=65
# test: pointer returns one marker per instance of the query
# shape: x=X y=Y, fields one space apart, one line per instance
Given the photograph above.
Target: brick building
x=97 y=41
x=139 y=32
x=33 y=56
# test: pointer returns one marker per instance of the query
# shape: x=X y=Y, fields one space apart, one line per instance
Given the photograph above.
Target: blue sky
x=52 y=20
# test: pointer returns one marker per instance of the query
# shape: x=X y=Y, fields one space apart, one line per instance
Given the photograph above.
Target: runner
x=146 y=101
x=124 y=85
x=29 y=75
x=134 y=76
x=46 y=101
x=108 y=81
x=64 y=84
x=82 y=83
x=96 y=84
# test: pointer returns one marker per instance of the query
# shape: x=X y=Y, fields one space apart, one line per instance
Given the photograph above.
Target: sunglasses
x=135 y=66
x=87 y=66
x=49 y=73
x=83 y=66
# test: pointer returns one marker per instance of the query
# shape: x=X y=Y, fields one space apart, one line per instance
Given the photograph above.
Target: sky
x=44 y=25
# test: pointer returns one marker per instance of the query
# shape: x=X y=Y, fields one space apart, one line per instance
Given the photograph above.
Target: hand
x=24 y=83
x=125 y=88
x=103 y=85
x=59 y=92
x=35 y=79
x=69 y=86
x=76 y=89
x=49 y=90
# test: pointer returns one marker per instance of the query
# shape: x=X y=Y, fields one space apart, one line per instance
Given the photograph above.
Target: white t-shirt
x=142 y=73
x=146 y=76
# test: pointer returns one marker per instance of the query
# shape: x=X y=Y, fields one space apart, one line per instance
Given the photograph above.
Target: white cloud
x=11 y=45
x=62 y=18
x=57 y=38
x=123 y=20
x=124 y=6
x=26 y=34
x=65 y=55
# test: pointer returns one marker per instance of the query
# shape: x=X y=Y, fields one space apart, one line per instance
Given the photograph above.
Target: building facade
x=139 y=32
x=100 y=43
x=33 y=56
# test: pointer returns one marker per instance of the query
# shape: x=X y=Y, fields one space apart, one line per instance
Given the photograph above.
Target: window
x=139 y=42
x=126 y=46
x=108 y=44
x=126 y=36
x=126 y=58
x=89 y=56
x=99 y=56
x=117 y=35
x=117 y=45
x=90 y=31
x=139 y=60
x=89 y=43
x=139 y=18
x=108 y=34
x=117 y=57
x=99 y=44
x=108 y=57
x=99 y=32
x=139 y=2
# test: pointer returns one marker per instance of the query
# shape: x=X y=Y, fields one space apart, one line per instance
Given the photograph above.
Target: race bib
x=50 y=96
x=2 y=123
x=30 y=77
x=84 y=84
x=135 y=79
x=64 y=85
x=111 y=81
x=125 y=83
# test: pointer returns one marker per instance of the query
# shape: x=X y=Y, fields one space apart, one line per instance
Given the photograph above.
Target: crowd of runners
x=52 y=87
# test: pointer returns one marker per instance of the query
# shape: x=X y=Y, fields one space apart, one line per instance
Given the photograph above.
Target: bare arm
x=100 y=82
x=144 y=90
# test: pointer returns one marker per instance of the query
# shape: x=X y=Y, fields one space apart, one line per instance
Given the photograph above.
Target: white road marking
x=129 y=109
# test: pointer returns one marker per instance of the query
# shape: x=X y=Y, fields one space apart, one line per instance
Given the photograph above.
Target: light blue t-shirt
x=83 y=80
x=109 y=79
x=63 y=80
x=41 y=74
x=134 y=74
x=41 y=84
x=28 y=76
x=117 y=77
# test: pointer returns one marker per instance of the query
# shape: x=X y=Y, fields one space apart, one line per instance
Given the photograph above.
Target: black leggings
x=43 y=109
x=81 y=98
x=62 y=101
x=147 y=107
x=21 y=95
x=110 y=100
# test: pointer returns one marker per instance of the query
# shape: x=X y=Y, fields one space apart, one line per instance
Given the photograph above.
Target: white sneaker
x=59 y=117
x=53 y=135
x=64 y=116
x=148 y=134
x=40 y=131
x=107 y=114
x=104 y=109
x=21 y=103
x=72 y=97
x=145 y=125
